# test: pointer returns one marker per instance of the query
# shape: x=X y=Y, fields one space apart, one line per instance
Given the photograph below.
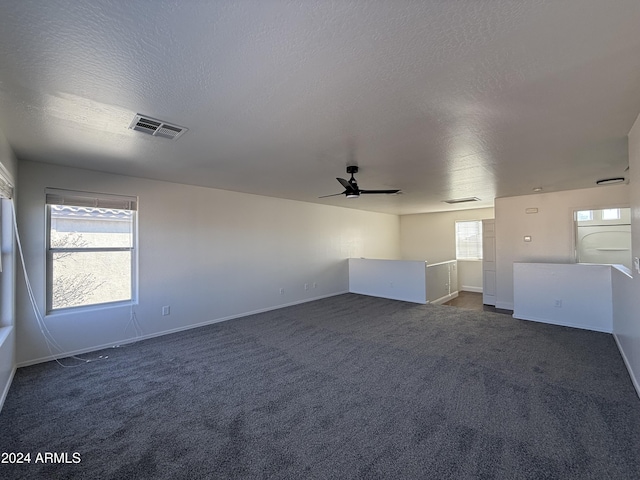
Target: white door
x=489 y=262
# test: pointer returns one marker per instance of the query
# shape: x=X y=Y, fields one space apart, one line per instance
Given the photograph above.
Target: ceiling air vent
x=155 y=127
x=462 y=200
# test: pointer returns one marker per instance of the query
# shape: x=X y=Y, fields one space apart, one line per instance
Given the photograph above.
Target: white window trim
x=93 y=200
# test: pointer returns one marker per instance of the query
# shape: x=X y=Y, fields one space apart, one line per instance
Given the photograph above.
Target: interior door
x=489 y=262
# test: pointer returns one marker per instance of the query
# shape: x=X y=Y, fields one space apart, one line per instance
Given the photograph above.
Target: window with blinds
x=91 y=255
x=469 y=240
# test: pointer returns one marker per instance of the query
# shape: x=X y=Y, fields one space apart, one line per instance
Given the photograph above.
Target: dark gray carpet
x=346 y=387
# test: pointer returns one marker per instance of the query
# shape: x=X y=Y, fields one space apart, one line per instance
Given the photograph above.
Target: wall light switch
x=527 y=238
x=636 y=264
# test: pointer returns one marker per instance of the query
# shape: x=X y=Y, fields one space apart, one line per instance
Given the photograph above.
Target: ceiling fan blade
x=346 y=184
x=332 y=195
x=351 y=186
x=385 y=192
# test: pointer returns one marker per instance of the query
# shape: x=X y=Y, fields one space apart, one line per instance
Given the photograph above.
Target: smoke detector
x=157 y=128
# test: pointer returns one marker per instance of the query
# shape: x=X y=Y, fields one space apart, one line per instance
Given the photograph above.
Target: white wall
x=209 y=254
x=7 y=280
x=432 y=237
x=396 y=279
x=470 y=275
x=626 y=291
x=551 y=229
x=572 y=295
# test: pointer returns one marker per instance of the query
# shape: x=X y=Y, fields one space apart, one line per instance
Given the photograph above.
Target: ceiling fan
x=351 y=187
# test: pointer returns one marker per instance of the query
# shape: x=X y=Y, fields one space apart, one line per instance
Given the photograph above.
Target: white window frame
x=91 y=200
x=609 y=214
x=462 y=255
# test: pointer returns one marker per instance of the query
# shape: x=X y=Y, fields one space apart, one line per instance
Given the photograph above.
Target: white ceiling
x=442 y=99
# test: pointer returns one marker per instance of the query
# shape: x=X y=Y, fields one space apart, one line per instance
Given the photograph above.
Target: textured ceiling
x=442 y=99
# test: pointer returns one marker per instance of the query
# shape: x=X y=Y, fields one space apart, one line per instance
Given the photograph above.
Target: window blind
x=469 y=240
x=92 y=200
x=6 y=187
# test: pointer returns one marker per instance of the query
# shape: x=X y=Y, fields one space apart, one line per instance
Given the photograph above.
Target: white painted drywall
x=396 y=279
x=626 y=290
x=7 y=280
x=470 y=275
x=551 y=229
x=573 y=295
x=432 y=237
x=209 y=254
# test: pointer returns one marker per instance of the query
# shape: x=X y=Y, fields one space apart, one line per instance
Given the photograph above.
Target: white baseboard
x=127 y=341
x=634 y=379
x=469 y=288
x=561 y=324
x=5 y=391
x=444 y=299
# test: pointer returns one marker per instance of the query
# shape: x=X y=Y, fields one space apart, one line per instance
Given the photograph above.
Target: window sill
x=4 y=334
x=90 y=308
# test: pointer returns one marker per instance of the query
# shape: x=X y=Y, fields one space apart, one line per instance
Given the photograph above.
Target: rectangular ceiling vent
x=462 y=200
x=157 y=128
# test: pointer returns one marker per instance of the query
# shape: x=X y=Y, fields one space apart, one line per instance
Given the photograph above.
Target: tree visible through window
x=469 y=240
x=90 y=254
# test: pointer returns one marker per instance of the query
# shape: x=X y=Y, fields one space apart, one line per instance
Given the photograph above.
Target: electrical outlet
x=282 y=291
x=557 y=303
x=306 y=286
x=166 y=310
x=315 y=284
